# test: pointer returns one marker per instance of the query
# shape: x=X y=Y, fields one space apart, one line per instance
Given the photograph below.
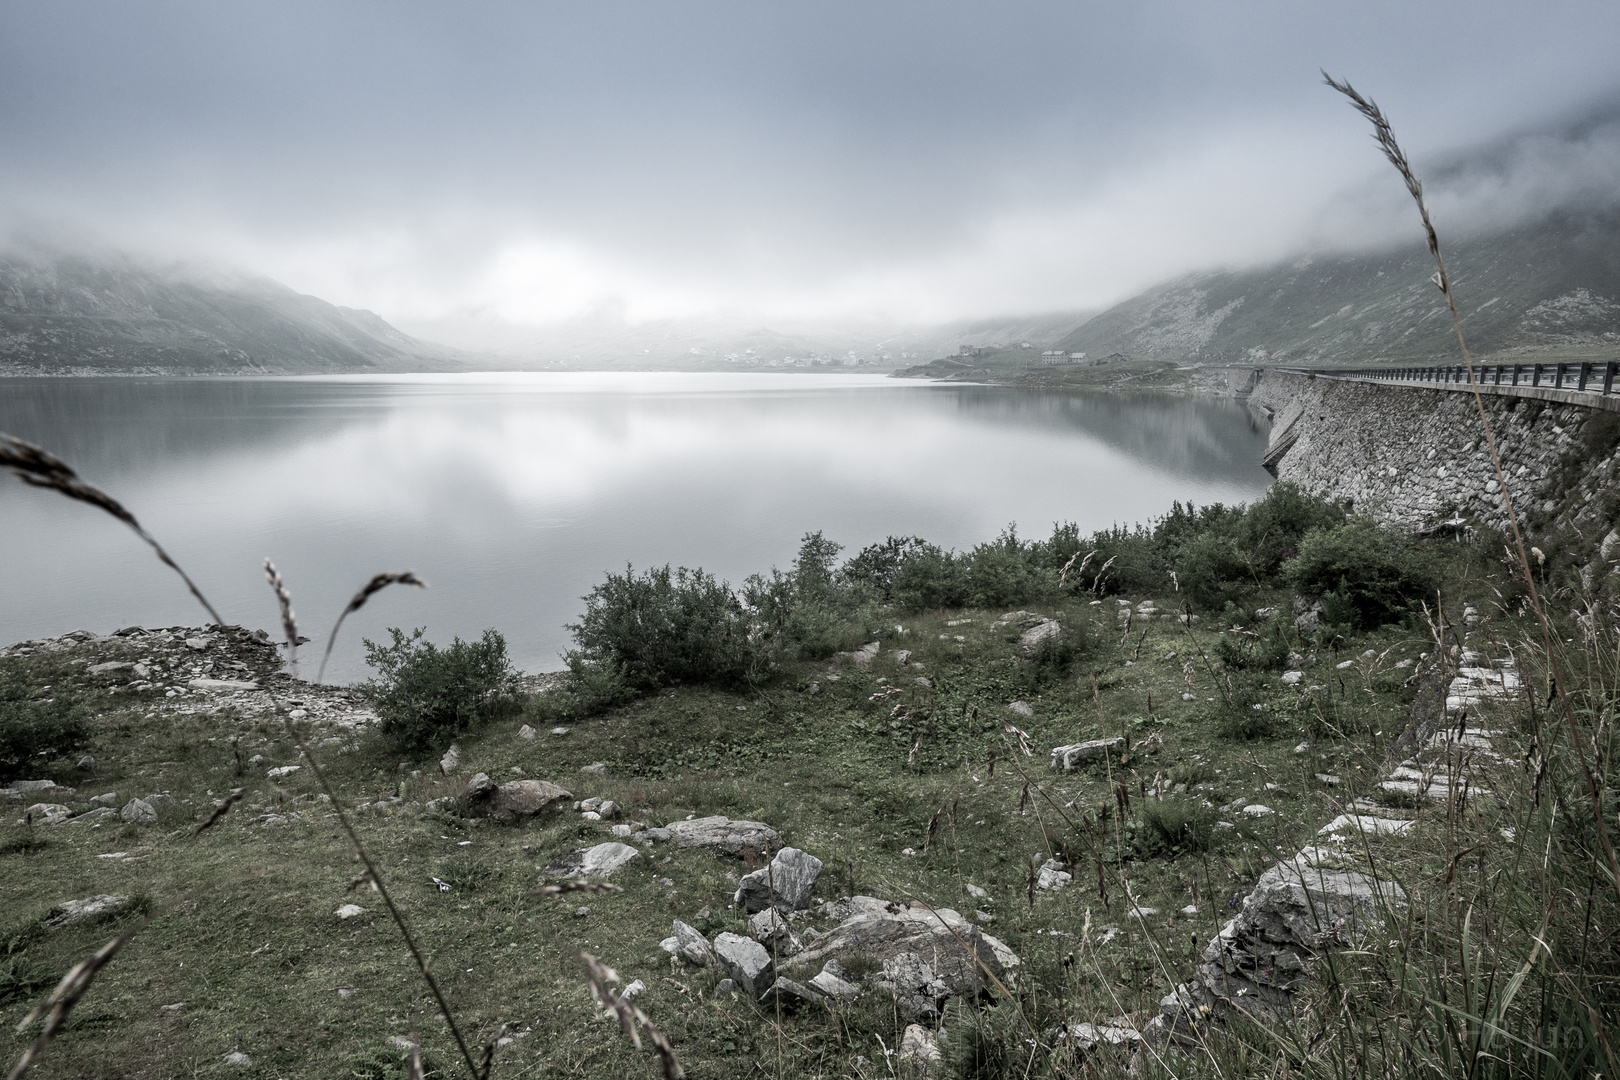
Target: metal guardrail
x=1590 y=377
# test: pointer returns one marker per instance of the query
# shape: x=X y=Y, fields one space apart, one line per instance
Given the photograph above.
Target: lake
x=512 y=494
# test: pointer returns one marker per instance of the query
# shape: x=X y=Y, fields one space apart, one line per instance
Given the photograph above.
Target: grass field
x=245 y=952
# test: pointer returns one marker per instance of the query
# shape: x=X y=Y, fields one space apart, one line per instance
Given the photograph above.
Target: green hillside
x=1551 y=285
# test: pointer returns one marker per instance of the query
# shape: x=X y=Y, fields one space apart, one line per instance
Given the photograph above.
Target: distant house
x=1055 y=356
x=972 y=350
x=1025 y=345
x=1077 y=356
x=1115 y=358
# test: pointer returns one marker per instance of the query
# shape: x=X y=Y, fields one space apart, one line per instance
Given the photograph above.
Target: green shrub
x=31 y=725
x=875 y=567
x=929 y=578
x=1175 y=827
x=1365 y=574
x=1008 y=571
x=663 y=627
x=426 y=696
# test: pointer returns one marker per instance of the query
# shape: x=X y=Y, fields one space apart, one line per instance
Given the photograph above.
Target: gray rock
x=694 y=947
x=866 y=653
x=522 y=798
x=788 y=881
x=671 y=945
x=723 y=834
x=955 y=953
x=831 y=982
x=771 y=929
x=902 y=657
x=789 y=992
x=197 y=643
x=451 y=760
x=1021 y=708
x=94 y=907
x=42 y=788
x=89 y=815
x=599 y=861
x=918 y=1050
x=222 y=685
x=109 y=799
x=607 y=810
x=652 y=836
x=1054 y=875
x=1067 y=757
x=87 y=763
x=48 y=813
x=138 y=812
x=725 y=988
x=480 y=786
x=1047 y=629
x=236 y=1057
x=109 y=667
x=527 y=732
x=745 y=962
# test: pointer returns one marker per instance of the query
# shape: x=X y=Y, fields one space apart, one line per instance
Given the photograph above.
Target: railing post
x=1586 y=372
x=1558 y=376
x=1516 y=368
x=1498 y=374
x=1608 y=377
x=1535 y=374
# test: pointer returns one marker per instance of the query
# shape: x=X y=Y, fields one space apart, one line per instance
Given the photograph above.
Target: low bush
x=1365 y=574
x=663 y=627
x=1174 y=827
x=425 y=696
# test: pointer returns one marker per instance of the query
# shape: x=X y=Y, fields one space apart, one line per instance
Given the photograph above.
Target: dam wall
x=1415 y=456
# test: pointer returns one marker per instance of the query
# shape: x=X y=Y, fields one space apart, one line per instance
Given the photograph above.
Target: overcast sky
x=930 y=161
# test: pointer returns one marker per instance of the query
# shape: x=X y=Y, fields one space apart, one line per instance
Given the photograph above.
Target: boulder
x=926 y=954
x=599 y=861
x=516 y=798
x=48 y=813
x=138 y=812
x=723 y=834
x=787 y=881
x=94 y=907
x=866 y=653
x=1260 y=959
x=219 y=686
x=1021 y=708
x=480 y=786
x=745 y=962
x=451 y=761
x=692 y=946
x=1067 y=757
x=1030 y=640
x=1054 y=875
x=789 y=992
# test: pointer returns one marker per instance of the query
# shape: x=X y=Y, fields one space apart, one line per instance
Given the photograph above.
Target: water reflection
x=512 y=494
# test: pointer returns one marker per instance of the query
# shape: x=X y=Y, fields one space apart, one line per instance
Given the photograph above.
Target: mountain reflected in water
x=512 y=494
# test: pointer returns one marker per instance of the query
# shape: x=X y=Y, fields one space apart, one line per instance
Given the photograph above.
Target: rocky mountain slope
x=1550 y=285
x=67 y=315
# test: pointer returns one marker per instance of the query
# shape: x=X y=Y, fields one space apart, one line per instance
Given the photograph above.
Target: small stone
x=1021 y=708
x=87 y=763
x=633 y=989
x=527 y=732
x=596 y=767
x=1053 y=875
x=608 y=809
x=1292 y=678
x=561 y=730
x=138 y=812
x=197 y=643
x=787 y=881
x=1302 y=747
x=1189 y=697
x=725 y=988
x=281 y=771
x=832 y=982
x=671 y=945
x=451 y=760
x=235 y=1057
x=622 y=830
x=974 y=890
x=109 y=799
x=1258 y=810
x=350 y=911
x=599 y=861
x=581 y=912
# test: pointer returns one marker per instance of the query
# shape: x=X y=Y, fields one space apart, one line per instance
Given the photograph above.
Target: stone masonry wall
x=1416 y=457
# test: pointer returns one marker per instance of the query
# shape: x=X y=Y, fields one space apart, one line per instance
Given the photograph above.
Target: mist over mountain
x=111 y=315
x=1553 y=283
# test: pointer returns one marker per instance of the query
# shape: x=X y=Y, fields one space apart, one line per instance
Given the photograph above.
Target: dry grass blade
x=56 y=1008
x=1384 y=135
x=413 y=1069
x=631 y=1019
x=220 y=811
x=38 y=467
x=289 y=621
x=375 y=585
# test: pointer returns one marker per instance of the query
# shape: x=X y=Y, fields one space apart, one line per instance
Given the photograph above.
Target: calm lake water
x=512 y=494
